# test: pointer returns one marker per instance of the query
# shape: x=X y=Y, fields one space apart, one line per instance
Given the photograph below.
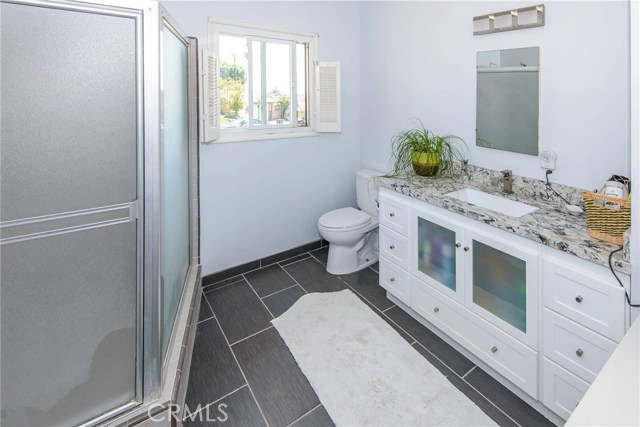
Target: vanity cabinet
x=494 y=278
x=394 y=246
x=583 y=319
x=545 y=321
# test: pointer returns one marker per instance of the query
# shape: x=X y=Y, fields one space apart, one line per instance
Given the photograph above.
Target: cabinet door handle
x=437 y=309
x=392 y=214
x=392 y=247
x=466 y=248
x=458 y=245
x=494 y=349
x=579 y=352
x=393 y=279
x=579 y=299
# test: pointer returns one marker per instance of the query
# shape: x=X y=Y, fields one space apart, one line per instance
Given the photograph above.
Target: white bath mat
x=364 y=373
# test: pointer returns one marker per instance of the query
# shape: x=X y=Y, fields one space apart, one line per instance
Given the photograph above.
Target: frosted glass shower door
x=69 y=232
x=176 y=229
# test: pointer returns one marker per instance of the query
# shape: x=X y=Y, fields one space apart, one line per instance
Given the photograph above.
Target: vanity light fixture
x=514 y=19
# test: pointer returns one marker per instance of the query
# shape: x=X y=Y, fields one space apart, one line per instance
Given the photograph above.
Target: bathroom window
x=259 y=83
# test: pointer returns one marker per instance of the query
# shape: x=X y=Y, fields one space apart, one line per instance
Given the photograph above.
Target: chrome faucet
x=465 y=168
x=507 y=181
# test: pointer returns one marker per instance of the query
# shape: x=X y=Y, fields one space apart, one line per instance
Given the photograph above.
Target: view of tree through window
x=257 y=79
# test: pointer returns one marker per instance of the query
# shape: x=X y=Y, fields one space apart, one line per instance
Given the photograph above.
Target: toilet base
x=349 y=259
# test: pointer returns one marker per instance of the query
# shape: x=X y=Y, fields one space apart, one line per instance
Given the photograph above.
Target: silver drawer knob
x=466 y=248
x=579 y=352
x=392 y=247
x=458 y=245
x=393 y=279
x=437 y=309
x=392 y=214
x=494 y=349
x=579 y=299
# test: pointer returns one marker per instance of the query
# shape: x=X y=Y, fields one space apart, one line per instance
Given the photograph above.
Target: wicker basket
x=605 y=222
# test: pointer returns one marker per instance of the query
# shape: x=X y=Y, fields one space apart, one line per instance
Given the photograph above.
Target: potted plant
x=427 y=153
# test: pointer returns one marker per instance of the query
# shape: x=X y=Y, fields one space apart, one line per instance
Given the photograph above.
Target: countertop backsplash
x=529 y=188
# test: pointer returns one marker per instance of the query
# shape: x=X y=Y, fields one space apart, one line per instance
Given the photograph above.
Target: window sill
x=259 y=136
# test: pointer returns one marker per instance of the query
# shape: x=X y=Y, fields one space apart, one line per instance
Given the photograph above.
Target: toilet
x=353 y=233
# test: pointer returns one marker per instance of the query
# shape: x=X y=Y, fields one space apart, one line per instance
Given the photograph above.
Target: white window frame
x=262 y=33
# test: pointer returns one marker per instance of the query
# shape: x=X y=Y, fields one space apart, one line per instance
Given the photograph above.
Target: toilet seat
x=344 y=219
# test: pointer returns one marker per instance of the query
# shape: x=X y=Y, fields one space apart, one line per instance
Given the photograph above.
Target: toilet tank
x=367 y=191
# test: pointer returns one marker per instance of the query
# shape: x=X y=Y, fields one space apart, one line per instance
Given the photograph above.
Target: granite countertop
x=551 y=224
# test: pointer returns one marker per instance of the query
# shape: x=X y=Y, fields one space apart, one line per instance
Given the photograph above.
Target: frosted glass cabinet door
x=502 y=284
x=436 y=252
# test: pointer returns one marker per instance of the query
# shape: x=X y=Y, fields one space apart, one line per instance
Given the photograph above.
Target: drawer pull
x=494 y=349
x=466 y=248
x=437 y=309
x=458 y=245
x=579 y=299
x=579 y=352
x=392 y=214
x=393 y=279
x=392 y=247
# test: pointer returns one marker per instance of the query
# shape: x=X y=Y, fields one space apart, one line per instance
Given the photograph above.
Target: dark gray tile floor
x=240 y=361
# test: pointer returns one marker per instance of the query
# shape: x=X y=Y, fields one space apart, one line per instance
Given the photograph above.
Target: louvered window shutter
x=328 y=81
x=210 y=121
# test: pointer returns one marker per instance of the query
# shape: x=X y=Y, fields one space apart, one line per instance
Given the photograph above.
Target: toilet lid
x=344 y=218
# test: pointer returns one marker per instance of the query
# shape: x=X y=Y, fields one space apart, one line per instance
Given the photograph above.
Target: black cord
x=549 y=172
x=628 y=296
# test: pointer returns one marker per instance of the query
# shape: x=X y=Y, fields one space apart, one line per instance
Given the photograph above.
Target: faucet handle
x=506 y=173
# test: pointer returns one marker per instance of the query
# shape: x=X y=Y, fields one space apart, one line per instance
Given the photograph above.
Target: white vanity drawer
x=588 y=299
x=515 y=361
x=394 y=247
x=574 y=347
x=395 y=280
x=394 y=213
x=561 y=390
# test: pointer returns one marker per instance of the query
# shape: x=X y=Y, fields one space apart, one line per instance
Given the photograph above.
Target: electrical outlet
x=547 y=159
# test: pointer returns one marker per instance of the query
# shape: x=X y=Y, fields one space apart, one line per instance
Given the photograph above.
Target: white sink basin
x=491 y=202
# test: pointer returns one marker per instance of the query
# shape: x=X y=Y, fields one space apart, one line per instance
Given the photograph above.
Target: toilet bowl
x=353 y=233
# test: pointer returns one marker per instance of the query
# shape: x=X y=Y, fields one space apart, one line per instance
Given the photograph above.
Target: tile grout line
x=388 y=308
x=490 y=401
x=242 y=372
x=277 y=292
x=437 y=358
x=208 y=303
x=204 y=320
x=291 y=257
x=259 y=261
x=260 y=299
x=291 y=263
x=192 y=417
x=314 y=257
x=252 y=335
x=294 y=279
x=466 y=382
x=304 y=415
x=474 y=367
x=204 y=288
x=365 y=298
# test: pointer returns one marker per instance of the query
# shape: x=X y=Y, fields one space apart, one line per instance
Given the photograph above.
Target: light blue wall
x=263 y=197
x=418 y=60
x=399 y=61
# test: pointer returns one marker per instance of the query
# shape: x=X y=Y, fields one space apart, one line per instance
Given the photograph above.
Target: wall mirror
x=507 y=100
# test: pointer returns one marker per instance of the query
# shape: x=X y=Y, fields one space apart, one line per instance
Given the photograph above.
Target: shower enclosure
x=98 y=207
